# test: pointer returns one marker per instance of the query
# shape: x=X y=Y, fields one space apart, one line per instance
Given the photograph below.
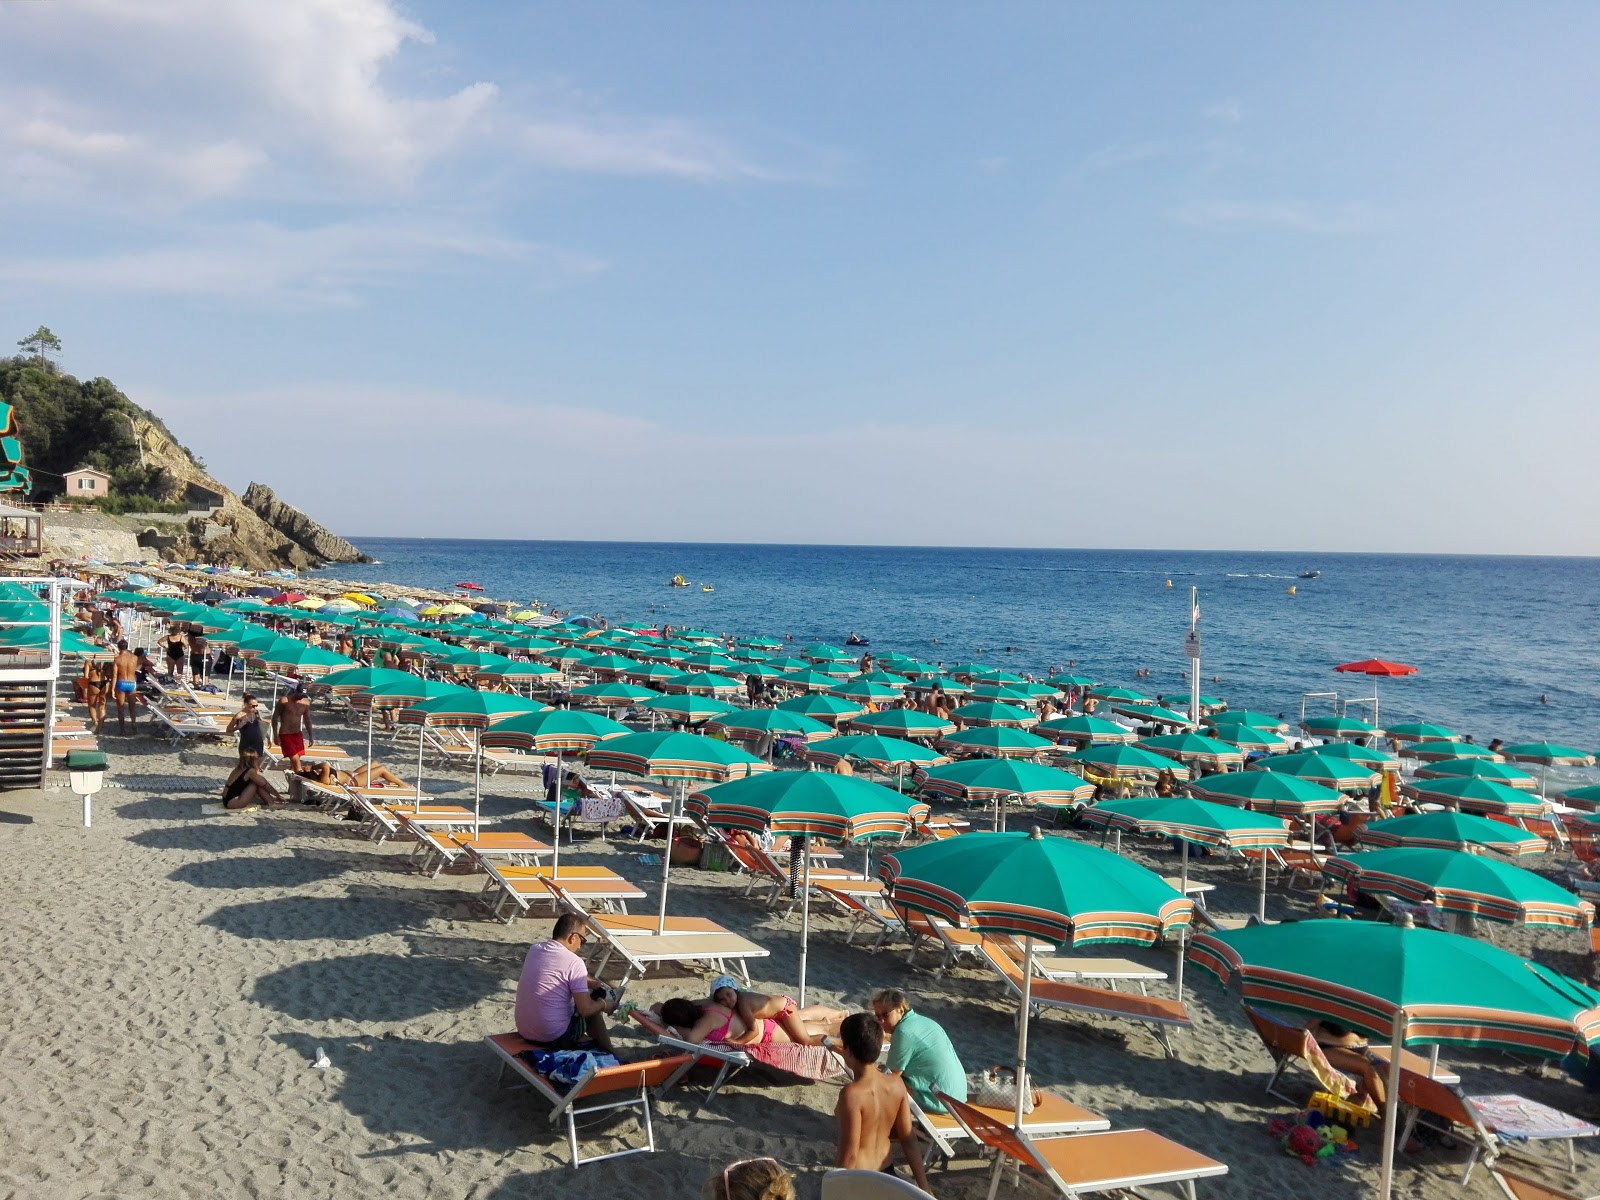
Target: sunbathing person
x=247 y=786
x=1347 y=1051
x=729 y=1017
x=373 y=775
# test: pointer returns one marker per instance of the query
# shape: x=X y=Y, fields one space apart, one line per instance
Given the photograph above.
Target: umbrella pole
x=1022 y=1027
x=477 y=780
x=666 y=858
x=805 y=916
x=369 y=735
x=555 y=820
x=1182 y=933
x=1391 y=1106
x=1261 y=900
x=416 y=800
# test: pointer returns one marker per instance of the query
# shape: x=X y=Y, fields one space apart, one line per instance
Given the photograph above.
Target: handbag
x=997 y=1088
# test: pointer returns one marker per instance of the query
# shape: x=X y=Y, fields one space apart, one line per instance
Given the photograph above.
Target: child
x=758 y=1013
x=874 y=1107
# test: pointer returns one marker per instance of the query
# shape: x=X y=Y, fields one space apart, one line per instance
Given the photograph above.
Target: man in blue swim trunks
x=123 y=669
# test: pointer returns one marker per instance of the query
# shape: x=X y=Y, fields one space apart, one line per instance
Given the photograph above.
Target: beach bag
x=997 y=1088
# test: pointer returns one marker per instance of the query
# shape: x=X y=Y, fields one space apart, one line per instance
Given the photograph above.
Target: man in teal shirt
x=919 y=1051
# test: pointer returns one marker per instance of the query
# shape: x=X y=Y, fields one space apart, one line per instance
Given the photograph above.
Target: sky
x=1231 y=276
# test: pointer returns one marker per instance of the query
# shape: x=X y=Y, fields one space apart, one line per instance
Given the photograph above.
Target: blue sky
x=1213 y=276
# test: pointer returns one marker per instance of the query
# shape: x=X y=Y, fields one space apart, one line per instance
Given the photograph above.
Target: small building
x=87 y=484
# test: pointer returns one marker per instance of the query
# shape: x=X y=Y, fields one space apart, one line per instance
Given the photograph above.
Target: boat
x=706 y=587
x=677 y=581
x=1310 y=574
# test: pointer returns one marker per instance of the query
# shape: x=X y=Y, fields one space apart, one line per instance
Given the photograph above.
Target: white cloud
x=649 y=146
x=265 y=263
x=1229 y=112
x=1299 y=218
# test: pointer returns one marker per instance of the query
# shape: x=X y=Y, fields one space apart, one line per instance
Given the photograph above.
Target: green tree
x=41 y=343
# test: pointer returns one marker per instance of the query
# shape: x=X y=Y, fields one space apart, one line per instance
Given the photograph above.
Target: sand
x=170 y=978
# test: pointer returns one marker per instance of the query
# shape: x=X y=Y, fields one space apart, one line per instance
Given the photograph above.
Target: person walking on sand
x=123 y=688
x=874 y=1108
x=291 y=726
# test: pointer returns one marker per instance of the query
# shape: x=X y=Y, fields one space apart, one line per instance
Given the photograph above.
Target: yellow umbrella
x=526 y=614
x=360 y=598
x=310 y=602
x=454 y=610
x=433 y=610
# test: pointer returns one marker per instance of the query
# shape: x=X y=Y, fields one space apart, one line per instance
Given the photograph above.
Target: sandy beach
x=171 y=977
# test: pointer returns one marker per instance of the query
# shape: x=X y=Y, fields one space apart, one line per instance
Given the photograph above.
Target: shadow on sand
x=376 y=987
x=363 y=912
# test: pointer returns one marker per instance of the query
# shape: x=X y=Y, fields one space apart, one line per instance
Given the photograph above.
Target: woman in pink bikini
x=743 y=1018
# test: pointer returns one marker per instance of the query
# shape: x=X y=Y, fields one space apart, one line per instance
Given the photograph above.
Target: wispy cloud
x=1297 y=217
x=1124 y=154
x=269 y=264
x=636 y=146
x=1229 y=112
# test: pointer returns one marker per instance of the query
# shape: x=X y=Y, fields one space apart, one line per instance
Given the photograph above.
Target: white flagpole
x=1192 y=649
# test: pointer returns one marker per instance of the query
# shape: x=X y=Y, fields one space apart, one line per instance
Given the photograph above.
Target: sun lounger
x=958 y=943
x=437 y=849
x=1051 y=1117
x=182 y=724
x=1291 y=863
x=1071 y=969
x=1523 y=1187
x=728 y=1060
x=603 y=1089
x=686 y=940
x=649 y=813
x=510 y=892
x=1116 y=1160
x=1290 y=1045
x=808 y=1064
x=336 y=756
x=1160 y=1014
x=1488 y=1123
x=873 y=911
x=840 y=1184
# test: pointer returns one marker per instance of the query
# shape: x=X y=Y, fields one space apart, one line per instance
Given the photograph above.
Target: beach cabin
x=87 y=484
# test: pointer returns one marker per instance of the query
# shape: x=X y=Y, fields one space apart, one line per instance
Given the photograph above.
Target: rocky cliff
x=299 y=528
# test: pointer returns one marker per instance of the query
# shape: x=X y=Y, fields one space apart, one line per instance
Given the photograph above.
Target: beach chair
x=1070 y=969
x=1051 y=1117
x=727 y=1060
x=650 y=816
x=598 y=1090
x=335 y=756
x=1522 y=1187
x=873 y=911
x=1160 y=1014
x=1086 y=1163
x=840 y=1184
x=1291 y=1045
x=686 y=940
x=958 y=943
x=437 y=849
x=510 y=892
x=1487 y=1123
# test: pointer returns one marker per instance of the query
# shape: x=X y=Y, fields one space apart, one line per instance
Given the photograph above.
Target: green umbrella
x=521 y=672
x=1005 y=678
x=944 y=683
x=360 y=679
x=553 y=731
x=465 y=709
x=994 y=780
x=517 y=643
x=1063 y=682
x=614 y=695
x=806 y=804
x=609 y=664
x=1482 y=796
x=691 y=710
x=1548 y=753
x=867 y=692
x=1421 y=731
x=411 y=690
x=302 y=659
x=1127 y=762
x=1120 y=695
x=1190 y=820
x=1579 y=795
x=748 y=724
x=823 y=652
x=1002 y=694
x=1084 y=729
x=702 y=682
x=1457 y=882
x=1378 y=760
x=679 y=757
x=1035 y=887
x=989 y=713
x=1193 y=747
x=897 y=682
x=1151 y=714
x=997 y=740
x=1450 y=830
x=1330 y=772
x=820 y=708
x=969 y=670
x=760 y=670
x=1477 y=768
x=1240 y=716
x=790 y=664
x=1248 y=737
x=809 y=681
x=654 y=673
x=1269 y=792
x=884 y=753
x=705 y=660
x=902 y=723
x=1339 y=727
x=1404 y=984
x=476 y=660
x=1448 y=751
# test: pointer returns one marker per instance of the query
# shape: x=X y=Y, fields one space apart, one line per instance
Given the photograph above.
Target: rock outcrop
x=299 y=528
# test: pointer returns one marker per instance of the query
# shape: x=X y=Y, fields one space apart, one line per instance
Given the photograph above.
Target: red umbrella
x=288 y=598
x=470 y=587
x=1378 y=668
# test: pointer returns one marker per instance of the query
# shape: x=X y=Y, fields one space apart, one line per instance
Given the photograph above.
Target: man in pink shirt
x=558 y=1006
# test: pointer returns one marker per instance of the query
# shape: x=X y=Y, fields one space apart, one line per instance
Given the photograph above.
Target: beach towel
x=566 y=1067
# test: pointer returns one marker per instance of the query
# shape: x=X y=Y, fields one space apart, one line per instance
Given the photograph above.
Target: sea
x=1504 y=647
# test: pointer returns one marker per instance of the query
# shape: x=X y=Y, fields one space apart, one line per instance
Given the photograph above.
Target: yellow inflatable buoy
x=1169 y=583
x=1291 y=589
x=678 y=581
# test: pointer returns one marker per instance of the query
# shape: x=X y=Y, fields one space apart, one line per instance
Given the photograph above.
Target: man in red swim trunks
x=291 y=725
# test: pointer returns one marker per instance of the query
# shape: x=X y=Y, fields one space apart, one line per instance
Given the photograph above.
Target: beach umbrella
x=1448 y=752
x=359 y=679
x=790 y=664
x=1339 y=727
x=1586 y=796
x=1221 y=825
x=691 y=710
x=1001 y=694
x=989 y=713
x=867 y=692
x=884 y=753
x=1549 y=754
x=653 y=672
x=1063 y=682
x=1450 y=830
x=969 y=670
x=609 y=664
x=1051 y=889
x=474 y=660
x=998 y=677
x=703 y=682
x=614 y=695
x=748 y=724
x=1330 y=772
x=1095 y=730
x=1483 y=796
x=1269 y=792
x=400 y=694
x=942 y=683
x=1193 y=748
x=820 y=708
x=1127 y=762
x=1378 y=760
x=760 y=670
x=519 y=643
x=824 y=652
x=521 y=672
x=898 y=682
x=1406 y=985
x=998 y=741
x=902 y=723
x=238 y=606
x=465 y=710
x=809 y=681
x=1421 y=731
x=707 y=660
x=553 y=731
x=995 y=780
x=807 y=804
x=1154 y=714
x=1477 y=768
x=678 y=757
x=1119 y=695
x=1457 y=882
x=293 y=655
x=1241 y=716
x=1376 y=669
x=836 y=671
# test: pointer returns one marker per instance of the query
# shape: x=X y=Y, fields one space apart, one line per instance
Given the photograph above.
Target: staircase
x=24 y=750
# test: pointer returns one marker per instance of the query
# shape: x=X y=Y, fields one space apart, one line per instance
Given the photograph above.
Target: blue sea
x=1489 y=636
